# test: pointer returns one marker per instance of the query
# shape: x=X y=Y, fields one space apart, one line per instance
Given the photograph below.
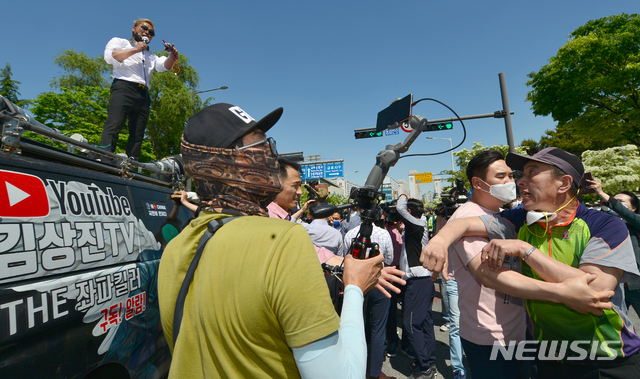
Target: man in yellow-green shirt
x=258 y=305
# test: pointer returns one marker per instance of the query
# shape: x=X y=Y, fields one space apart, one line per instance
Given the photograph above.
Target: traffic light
x=369 y=133
x=439 y=126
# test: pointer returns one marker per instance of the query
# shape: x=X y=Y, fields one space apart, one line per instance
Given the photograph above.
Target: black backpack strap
x=178 y=312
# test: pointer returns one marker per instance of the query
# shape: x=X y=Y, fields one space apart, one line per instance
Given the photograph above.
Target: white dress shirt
x=131 y=69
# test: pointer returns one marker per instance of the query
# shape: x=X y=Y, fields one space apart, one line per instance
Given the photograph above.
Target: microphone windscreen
x=145 y=39
x=322 y=211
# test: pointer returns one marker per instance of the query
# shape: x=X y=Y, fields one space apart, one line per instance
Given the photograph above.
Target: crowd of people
x=257 y=304
x=242 y=292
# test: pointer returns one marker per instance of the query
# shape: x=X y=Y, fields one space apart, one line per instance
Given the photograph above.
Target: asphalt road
x=399 y=366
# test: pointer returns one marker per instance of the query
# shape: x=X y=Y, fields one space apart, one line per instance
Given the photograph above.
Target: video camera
x=390 y=212
x=313 y=195
x=451 y=200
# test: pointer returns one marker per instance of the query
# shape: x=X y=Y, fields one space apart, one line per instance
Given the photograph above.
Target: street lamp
x=344 y=190
x=208 y=90
x=450 y=150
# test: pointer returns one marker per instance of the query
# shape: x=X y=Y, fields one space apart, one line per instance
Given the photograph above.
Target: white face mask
x=533 y=216
x=505 y=192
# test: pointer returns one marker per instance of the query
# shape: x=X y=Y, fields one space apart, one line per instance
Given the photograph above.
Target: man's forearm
x=576 y=293
x=461 y=227
x=121 y=55
x=515 y=284
x=550 y=269
x=169 y=62
x=343 y=355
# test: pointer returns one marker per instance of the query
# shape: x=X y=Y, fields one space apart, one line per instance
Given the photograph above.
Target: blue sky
x=333 y=65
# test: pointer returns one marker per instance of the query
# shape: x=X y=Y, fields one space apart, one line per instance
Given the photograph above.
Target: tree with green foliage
x=80 y=71
x=591 y=87
x=9 y=87
x=617 y=168
x=81 y=103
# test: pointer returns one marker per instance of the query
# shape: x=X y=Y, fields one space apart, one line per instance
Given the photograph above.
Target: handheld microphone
x=146 y=40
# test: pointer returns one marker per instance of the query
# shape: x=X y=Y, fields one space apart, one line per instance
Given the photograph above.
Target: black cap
x=219 y=125
x=554 y=156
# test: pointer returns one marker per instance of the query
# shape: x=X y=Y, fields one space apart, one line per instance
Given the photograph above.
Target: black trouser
x=128 y=101
x=418 y=321
x=376 y=314
x=392 y=322
x=481 y=366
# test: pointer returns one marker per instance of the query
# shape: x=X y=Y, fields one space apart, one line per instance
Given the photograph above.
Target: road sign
x=425 y=177
x=391 y=132
x=406 y=127
x=313 y=171
x=333 y=170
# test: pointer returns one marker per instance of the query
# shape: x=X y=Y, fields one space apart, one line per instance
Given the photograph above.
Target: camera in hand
x=367 y=201
x=390 y=212
x=451 y=200
x=313 y=195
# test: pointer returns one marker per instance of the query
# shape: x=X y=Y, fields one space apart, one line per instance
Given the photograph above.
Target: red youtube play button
x=22 y=195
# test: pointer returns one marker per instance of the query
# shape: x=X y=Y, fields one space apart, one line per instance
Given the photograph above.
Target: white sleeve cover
x=342 y=354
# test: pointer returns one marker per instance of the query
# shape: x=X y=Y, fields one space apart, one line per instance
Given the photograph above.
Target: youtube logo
x=22 y=195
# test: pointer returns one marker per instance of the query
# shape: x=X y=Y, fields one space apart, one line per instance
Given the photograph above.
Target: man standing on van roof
x=133 y=65
x=258 y=305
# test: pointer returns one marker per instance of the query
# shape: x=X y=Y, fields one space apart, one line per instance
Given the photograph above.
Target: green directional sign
x=439 y=126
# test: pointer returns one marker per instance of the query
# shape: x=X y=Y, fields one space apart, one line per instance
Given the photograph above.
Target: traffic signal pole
x=496 y=114
x=507 y=114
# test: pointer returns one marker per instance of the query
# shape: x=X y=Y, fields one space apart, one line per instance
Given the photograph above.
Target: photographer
x=133 y=66
x=313 y=187
x=377 y=304
x=419 y=291
x=257 y=306
x=394 y=226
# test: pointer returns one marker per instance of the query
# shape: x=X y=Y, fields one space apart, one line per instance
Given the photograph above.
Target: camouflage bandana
x=230 y=181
